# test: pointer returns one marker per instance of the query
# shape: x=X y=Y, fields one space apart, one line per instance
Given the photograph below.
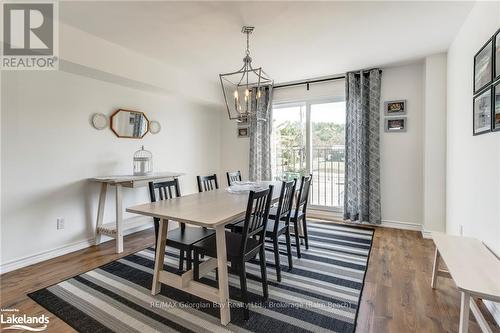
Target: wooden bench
x=475 y=271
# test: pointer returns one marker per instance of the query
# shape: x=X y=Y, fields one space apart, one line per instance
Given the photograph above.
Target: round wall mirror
x=154 y=127
x=99 y=121
x=129 y=124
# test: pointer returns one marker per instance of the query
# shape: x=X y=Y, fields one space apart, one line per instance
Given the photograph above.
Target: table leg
x=225 y=316
x=100 y=212
x=119 y=219
x=160 y=256
x=435 y=269
x=464 y=313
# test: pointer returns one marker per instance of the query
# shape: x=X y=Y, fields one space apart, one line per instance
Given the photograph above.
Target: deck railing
x=327 y=168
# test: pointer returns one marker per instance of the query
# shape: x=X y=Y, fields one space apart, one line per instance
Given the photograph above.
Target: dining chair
x=233 y=176
x=243 y=247
x=279 y=225
x=207 y=183
x=298 y=214
x=183 y=237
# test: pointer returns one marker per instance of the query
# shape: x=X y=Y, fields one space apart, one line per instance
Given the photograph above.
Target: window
x=309 y=137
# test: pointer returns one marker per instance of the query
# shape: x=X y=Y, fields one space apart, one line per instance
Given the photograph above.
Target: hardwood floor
x=397 y=296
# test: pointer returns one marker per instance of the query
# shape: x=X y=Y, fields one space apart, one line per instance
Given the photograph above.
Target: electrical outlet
x=60 y=223
x=461 y=230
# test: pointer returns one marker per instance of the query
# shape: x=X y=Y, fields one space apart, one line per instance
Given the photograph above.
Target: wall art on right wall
x=495 y=115
x=483 y=66
x=482 y=113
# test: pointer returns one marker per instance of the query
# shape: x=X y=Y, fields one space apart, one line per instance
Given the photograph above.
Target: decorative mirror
x=99 y=121
x=154 y=127
x=129 y=124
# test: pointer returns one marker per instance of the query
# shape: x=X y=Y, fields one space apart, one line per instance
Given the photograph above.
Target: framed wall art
x=482 y=113
x=395 y=108
x=483 y=66
x=396 y=124
x=495 y=112
x=496 y=51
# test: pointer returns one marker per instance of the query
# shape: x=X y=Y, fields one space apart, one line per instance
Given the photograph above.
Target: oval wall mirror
x=129 y=124
x=154 y=127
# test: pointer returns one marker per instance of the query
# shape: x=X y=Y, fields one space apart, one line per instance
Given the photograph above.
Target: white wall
x=234 y=150
x=434 y=149
x=401 y=154
x=473 y=162
x=49 y=149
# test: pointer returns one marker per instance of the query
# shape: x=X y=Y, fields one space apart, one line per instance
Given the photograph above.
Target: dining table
x=214 y=210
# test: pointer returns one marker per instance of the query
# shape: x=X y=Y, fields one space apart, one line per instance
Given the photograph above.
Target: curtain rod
x=307 y=82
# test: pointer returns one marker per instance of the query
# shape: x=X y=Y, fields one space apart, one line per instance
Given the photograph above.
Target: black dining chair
x=298 y=215
x=279 y=225
x=243 y=247
x=233 y=176
x=207 y=183
x=183 y=237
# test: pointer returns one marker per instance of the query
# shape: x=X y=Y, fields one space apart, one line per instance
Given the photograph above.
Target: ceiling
x=292 y=40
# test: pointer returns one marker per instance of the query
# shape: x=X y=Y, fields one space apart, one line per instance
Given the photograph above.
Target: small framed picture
x=482 y=113
x=243 y=132
x=496 y=40
x=483 y=66
x=395 y=108
x=397 y=124
x=495 y=115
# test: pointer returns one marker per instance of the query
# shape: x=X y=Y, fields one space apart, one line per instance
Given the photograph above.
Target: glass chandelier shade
x=243 y=90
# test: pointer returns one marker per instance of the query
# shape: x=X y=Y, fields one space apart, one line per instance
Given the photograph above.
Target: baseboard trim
x=494 y=309
x=401 y=225
x=337 y=217
x=59 y=251
x=426 y=233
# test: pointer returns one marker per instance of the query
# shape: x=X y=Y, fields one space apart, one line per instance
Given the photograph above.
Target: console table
x=116 y=229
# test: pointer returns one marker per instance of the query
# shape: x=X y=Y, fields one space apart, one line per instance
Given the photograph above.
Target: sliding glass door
x=309 y=137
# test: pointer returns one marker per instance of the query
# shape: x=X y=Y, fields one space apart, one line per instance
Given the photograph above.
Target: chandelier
x=246 y=90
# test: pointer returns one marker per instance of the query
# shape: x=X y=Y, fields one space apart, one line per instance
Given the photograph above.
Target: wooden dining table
x=214 y=210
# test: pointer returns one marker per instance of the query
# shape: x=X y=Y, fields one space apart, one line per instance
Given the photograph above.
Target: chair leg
x=244 y=295
x=196 y=266
x=189 y=260
x=181 y=260
x=304 y=227
x=297 y=237
x=157 y=226
x=277 y=258
x=289 y=248
x=263 y=272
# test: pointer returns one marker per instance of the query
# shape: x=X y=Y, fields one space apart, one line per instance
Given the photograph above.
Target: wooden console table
x=473 y=268
x=116 y=229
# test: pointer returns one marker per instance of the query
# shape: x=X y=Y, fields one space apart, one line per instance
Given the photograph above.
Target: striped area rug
x=320 y=294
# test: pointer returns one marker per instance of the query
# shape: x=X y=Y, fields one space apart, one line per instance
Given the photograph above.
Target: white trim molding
x=59 y=251
x=426 y=233
x=401 y=225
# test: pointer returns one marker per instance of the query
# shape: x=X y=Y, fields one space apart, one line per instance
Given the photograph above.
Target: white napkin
x=242 y=187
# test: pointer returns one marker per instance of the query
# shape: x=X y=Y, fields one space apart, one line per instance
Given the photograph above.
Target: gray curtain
x=260 y=137
x=362 y=170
